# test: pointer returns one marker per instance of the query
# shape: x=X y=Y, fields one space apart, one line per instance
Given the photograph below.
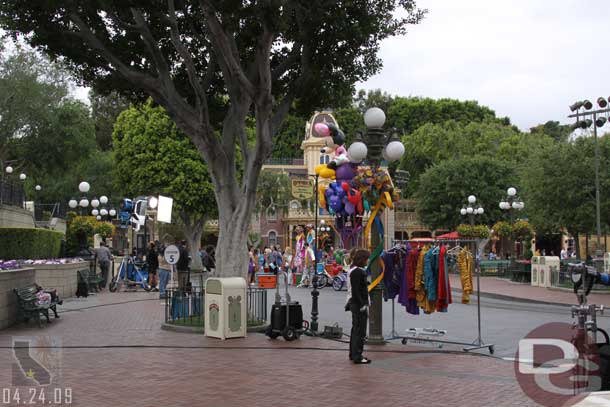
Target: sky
x=525 y=59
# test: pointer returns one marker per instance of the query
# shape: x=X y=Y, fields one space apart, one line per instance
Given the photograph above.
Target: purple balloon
x=350 y=209
x=336 y=204
x=345 y=172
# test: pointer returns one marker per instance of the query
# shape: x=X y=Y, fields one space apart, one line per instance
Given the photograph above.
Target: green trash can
x=297 y=278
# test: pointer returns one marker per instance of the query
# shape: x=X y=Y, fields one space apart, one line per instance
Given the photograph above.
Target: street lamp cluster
x=100 y=213
x=379 y=145
x=585 y=117
x=511 y=201
x=470 y=209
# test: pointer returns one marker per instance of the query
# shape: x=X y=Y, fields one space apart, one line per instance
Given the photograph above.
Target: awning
x=449 y=236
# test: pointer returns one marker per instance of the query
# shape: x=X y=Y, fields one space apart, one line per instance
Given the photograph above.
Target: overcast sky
x=525 y=59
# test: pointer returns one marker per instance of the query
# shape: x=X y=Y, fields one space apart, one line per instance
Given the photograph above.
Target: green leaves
x=152 y=157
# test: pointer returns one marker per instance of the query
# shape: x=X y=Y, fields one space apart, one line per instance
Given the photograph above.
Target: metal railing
x=186 y=307
x=561 y=278
x=46 y=211
x=11 y=193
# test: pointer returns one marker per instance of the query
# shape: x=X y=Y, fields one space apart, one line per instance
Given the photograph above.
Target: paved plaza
x=117 y=355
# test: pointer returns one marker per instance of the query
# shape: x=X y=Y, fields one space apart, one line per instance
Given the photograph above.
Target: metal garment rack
x=478 y=343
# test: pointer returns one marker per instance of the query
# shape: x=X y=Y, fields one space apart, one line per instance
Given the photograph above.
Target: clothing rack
x=478 y=342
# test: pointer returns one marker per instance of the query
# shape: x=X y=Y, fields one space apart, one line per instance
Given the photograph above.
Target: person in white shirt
x=563 y=254
x=310 y=263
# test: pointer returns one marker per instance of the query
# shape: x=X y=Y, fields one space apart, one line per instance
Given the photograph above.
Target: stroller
x=132 y=274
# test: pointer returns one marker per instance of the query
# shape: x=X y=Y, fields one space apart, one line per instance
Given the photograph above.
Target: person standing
x=358 y=305
x=288 y=264
x=104 y=257
x=309 y=264
x=153 y=264
x=183 y=266
x=164 y=275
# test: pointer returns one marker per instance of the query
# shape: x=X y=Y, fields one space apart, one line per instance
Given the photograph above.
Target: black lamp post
x=313 y=326
x=379 y=144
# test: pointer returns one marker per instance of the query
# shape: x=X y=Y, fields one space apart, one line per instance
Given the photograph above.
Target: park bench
x=28 y=308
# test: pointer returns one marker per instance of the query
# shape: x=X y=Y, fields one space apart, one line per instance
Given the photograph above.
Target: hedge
x=23 y=243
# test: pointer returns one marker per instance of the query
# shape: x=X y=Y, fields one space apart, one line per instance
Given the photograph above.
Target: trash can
x=551 y=265
x=536 y=270
x=225 y=307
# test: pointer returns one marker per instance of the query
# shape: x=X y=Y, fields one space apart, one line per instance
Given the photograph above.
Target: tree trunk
x=232 y=247
x=577 y=245
x=193 y=239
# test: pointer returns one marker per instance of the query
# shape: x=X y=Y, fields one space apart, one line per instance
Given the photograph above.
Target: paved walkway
x=117 y=355
x=506 y=289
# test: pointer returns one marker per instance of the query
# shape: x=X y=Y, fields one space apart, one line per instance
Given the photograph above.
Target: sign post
x=172 y=255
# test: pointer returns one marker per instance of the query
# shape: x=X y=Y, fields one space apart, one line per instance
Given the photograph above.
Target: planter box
x=62 y=277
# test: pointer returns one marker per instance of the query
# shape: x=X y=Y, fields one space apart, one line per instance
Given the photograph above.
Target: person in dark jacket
x=183 y=266
x=153 y=264
x=358 y=305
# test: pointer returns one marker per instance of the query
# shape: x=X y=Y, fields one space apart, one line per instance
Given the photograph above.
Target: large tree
x=105 y=110
x=212 y=63
x=444 y=188
x=152 y=157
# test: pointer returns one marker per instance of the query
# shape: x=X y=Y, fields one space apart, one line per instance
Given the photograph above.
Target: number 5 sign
x=171 y=254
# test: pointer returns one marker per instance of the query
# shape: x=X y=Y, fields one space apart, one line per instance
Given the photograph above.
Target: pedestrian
x=268 y=260
x=309 y=264
x=104 y=257
x=288 y=264
x=183 y=266
x=358 y=304
x=563 y=254
x=207 y=259
x=164 y=275
x=255 y=266
x=153 y=265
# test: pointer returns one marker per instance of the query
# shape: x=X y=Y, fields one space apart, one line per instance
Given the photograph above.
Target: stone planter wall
x=10 y=279
x=62 y=277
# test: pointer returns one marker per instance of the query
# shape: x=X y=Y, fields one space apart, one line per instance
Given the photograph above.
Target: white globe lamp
x=112 y=212
x=22 y=176
x=374 y=118
x=394 y=151
x=72 y=203
x=98 y=217
x=38 y=188
x=463 y=211
x=153 y=202
x=472 y=199
x=9 y=170
x=95 y=202
x=357 y=152
x=511 y=191
x=103 y=199
x=103 y=212
x=84 y=203
x=469 y=210
x=84 y=187
x=95 y=212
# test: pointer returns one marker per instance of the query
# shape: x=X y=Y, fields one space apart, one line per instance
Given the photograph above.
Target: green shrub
x=503 y=229
x=474 y=231
x=80 y=231
x=23 y=243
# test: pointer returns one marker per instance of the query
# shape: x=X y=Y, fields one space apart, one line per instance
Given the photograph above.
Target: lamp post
x=510 y=204
x=313 y=326
x=585 y=117
x=379 y=144
x=471 y=210
x=84 y=187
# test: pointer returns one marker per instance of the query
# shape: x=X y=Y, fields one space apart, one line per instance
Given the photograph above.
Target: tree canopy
x=153 y=157
x=444 y=188
x=211 y=64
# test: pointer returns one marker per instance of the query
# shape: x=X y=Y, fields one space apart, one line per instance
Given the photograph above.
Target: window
x=324 y=159
x=272 y=237
x=272 y=214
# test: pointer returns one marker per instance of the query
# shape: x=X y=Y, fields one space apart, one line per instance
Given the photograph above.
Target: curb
x=197 y=330
x=515 y=299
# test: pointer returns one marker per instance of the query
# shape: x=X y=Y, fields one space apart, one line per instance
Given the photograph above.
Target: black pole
x=314 y=292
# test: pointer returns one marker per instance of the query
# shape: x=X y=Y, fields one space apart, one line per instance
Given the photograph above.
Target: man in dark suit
x=358 y=305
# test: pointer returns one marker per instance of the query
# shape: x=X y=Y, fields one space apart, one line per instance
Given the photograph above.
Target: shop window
x=272 y=237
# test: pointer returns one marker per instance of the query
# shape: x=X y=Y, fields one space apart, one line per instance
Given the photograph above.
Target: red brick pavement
x=252 y=371
x=520 y=291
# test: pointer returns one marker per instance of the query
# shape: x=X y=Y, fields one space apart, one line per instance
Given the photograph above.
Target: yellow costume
x=465 y=267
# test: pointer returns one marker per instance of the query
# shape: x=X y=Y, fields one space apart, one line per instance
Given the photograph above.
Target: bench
x=26 y=300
